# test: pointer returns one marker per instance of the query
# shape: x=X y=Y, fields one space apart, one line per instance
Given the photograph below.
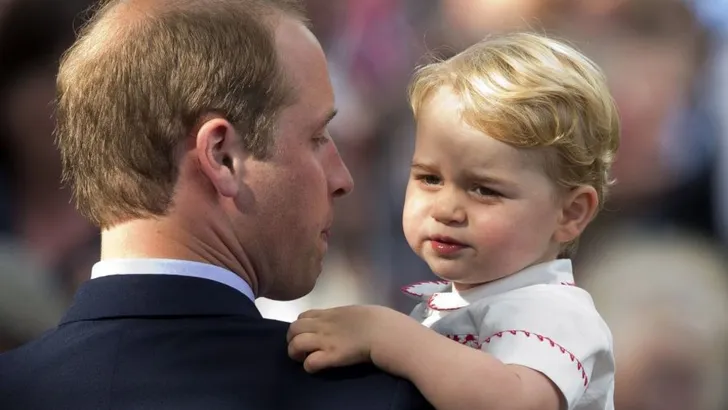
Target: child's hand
x=343 y=336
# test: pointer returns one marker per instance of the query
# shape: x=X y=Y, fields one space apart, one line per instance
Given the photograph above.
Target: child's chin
x=449 y=271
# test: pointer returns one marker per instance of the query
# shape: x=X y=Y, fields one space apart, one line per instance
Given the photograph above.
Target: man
x=194 y=134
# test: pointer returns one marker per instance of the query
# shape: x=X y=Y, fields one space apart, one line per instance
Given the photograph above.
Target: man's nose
x=340 y=181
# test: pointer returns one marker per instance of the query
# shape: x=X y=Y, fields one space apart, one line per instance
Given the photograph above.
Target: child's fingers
x=317 y=361
x=301 y=345
x=300 y=326
x=311 y=314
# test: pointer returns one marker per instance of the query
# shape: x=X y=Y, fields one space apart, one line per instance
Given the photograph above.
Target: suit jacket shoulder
x=170 y=342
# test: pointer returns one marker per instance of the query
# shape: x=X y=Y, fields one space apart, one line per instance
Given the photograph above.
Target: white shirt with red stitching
x=535 y=318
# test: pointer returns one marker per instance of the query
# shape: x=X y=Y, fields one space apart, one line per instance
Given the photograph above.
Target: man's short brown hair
x=140 y=77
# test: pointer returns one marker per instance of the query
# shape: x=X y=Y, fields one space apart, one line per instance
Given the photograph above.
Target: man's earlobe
x=215 y=144
x=579 y=207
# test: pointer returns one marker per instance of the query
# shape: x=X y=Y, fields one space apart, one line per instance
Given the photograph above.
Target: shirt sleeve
x=559 y=334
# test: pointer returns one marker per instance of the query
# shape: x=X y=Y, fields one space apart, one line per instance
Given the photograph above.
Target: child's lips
x=445 y=245
x=446 y=240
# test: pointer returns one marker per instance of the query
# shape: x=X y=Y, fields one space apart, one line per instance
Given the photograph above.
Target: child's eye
x=484 y=191
x=429 y=179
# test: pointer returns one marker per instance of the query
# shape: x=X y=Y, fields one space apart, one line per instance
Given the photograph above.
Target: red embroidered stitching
x=467 y=340
x=542 y=338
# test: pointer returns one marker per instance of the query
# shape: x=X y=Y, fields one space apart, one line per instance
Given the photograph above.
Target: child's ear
x=579 y=205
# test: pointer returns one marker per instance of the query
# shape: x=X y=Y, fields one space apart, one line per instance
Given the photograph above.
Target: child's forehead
x=469 y=150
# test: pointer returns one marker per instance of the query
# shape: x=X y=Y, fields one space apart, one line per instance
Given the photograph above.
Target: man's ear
x=218 y=152
x=579 y=206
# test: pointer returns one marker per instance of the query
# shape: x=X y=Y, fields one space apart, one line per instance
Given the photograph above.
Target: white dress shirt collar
x=192 y=269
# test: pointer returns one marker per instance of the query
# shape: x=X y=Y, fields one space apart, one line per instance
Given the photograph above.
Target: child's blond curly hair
x=538 y=94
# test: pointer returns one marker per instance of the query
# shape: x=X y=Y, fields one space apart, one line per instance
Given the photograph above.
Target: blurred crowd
x=655 y=260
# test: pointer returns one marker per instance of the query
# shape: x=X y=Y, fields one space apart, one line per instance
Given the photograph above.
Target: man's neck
x=163 y=239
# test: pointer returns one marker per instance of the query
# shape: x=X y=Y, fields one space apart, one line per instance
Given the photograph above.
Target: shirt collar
x=192 y=269
x=440 y=295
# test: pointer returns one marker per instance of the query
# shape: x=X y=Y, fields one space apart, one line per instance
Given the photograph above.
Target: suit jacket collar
x=156 y=295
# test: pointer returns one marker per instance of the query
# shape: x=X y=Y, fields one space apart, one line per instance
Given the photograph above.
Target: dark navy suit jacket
x=158 y=342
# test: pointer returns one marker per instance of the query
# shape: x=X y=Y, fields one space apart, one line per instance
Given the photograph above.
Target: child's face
x=476 y=209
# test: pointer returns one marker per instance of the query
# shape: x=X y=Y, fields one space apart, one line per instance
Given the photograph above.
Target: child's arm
x=449 y=375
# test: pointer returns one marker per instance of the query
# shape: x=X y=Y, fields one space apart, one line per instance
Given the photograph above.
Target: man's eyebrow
x=325 y=122
x=330 y=116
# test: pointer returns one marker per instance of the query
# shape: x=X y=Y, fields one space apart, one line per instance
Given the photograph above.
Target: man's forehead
x=305 y=69
x=293 y=39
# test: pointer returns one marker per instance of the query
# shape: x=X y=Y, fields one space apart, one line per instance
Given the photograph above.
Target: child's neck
x=463 y=287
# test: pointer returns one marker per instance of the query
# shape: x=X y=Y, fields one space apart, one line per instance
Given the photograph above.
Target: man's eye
x=320 y=140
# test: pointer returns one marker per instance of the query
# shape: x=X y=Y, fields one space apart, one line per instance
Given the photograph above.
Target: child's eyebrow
x=480 y=176
x=484 y=177
x=416 y=165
